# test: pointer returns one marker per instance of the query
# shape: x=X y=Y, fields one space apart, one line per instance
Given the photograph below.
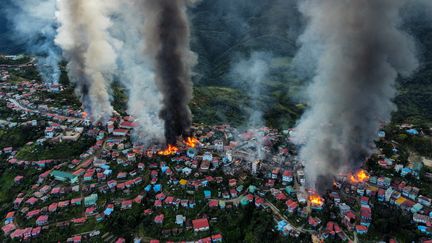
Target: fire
x=359 y=177
x=170 y=150
x=191 y=142
x=84 y=115
x=316 y=200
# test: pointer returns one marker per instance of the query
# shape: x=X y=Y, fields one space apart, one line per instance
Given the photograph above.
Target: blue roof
x=148 y=188
x=281 y=225
x=108 y=211
x=157 y=188
x=412 y=131
x=164 y=169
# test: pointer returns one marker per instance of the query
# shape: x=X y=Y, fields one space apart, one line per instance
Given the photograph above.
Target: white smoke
x=250 y=74
x=137 y=75
x=34 y=24
x=84 y=37
x=360 y=51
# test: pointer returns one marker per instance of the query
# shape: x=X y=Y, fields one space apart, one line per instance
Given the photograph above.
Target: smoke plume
x=167 y=34
x=362 y=50
x=137 y=74
x=34 y=25
x=88 y=47
x=250 y=74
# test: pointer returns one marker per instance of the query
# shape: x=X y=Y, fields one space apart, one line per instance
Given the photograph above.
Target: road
x=23 y=108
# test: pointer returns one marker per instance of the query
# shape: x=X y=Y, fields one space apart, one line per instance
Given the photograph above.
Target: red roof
x=281 y=197
x=76 y=200
x=213 y=203
x=350 y=215
x=200 y=223
x=120 y=240
x=127 y=124
x=159 y=218
x=8 y=228
x=217 y=237
x=10 y=214
x=119 y=130
x=79 y=220
x=42 y=218
x=288 y=173
x=33 y=213
x=361 y=228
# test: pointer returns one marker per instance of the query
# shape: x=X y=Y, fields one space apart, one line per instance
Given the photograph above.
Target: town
x=116 y=190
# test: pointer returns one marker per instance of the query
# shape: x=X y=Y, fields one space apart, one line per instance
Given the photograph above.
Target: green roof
x=91 y=200
x=63 y=174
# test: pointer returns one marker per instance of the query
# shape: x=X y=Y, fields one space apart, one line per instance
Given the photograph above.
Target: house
x=52 y=207
x=9 y=228
x=32 y=201
x=76 y=201
x=90 y=200
x=126 y=204
x=159 y=219
x=64 y=176
x=200 y=225
x=127 y=125
x=42 y=220
x=275 y=173
x=49 y=132
x=425 y=201
x=365 y=215
x=259 y=201
x=180 y=219
x=90 y=211
x=213 y=203
x=81 y=220
x=120 y=132
x=420 y=219
x=314 y=222
x=74 y=239
x=349 y=220
x=361 y=229
x=292 y=206
x=33 y=213
x=36 y=231
x=233 y=193
x=287 y=176
x=18 y=179
x=217 y=238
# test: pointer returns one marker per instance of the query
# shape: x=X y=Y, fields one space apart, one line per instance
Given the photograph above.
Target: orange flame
x=316 y=200
x=191 y=142
x=84 y=115
x=170 y=150
x=359 y=177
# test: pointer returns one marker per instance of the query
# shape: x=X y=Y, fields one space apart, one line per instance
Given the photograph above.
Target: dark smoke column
x=167 y=34
x=361 y=52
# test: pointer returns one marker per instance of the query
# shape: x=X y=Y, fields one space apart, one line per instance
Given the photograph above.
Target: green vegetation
x=64 y=150
x=217 y=105
x=18 y=61
x=8 y=188
x=120 y=98
x=391 y=222
x=19 y=136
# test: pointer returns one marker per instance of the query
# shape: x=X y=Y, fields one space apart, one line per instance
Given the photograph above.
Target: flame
x=170 y=150
x=316 y=200
x=191 y=142
x=84 y=115
x=359 y=177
